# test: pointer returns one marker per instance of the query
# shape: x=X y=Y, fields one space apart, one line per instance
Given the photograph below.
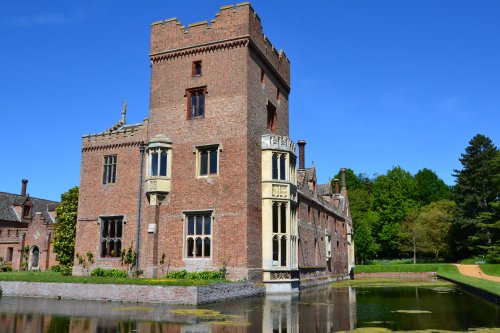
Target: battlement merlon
x=230 y=24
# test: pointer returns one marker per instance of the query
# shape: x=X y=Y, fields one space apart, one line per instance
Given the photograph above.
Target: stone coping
x=191 y=295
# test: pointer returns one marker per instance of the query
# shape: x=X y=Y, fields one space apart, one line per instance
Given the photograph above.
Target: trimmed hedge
x=112 y=272
x=205 y=275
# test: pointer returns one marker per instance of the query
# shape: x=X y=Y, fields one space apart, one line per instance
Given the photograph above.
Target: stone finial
x=124 y=111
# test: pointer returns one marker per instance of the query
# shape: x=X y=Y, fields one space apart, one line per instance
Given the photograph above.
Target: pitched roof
x=9 y=200
x=323 y=189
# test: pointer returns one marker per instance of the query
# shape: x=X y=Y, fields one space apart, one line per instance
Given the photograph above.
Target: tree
x=430 y=187
x=364 y=243
x=363 y=218
x=65 y=227
x=489 y=224
x=436 y=220
x=393 y=197
x=411 y=233
x=477 y=186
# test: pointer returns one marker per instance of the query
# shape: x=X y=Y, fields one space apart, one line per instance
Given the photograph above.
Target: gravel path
x=475 y=271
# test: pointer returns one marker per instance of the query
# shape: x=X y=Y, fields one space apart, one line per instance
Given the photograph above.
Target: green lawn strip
x=58 y=278
x=400 y=268
x=454 y=274
x=446 y=270
x=389 y=282
x=491 y=269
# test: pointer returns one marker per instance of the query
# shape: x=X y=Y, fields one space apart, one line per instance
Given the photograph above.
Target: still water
x=324 y=309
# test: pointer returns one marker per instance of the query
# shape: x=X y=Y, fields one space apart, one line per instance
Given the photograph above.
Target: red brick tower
x=215 y=90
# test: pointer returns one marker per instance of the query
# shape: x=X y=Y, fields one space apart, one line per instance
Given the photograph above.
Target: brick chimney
x=23 y=188
x=336 y=184
x=343 y=182
x=302 y=154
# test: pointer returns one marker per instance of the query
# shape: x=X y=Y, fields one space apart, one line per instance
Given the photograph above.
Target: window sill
x=197 y=259
x=214 y=175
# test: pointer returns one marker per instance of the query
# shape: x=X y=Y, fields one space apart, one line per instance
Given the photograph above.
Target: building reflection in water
x=310 y=311
x=323 y=309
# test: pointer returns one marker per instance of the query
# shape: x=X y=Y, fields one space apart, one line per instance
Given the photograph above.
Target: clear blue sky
x=375 y=84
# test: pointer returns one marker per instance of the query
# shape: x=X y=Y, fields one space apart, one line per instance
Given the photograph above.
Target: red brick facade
x=240 y=76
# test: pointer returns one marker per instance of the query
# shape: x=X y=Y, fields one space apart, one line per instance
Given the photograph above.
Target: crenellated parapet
x=125 y=136
x=233 y=26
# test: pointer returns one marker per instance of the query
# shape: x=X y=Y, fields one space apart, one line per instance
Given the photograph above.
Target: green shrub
x=177 y=275
x=111 y=272
x=66 y=270
x=205 y=275
x=6 y=268
x=56 y=269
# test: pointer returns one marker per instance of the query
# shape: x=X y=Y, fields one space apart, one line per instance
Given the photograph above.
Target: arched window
x=275 y=166
x=199 y=247
x=198 y=235
x=283 y=167
x=283 y=251
x=276 y=250
x=35 y=257
x=111 y=236
x=207 y=246
x=190 y=247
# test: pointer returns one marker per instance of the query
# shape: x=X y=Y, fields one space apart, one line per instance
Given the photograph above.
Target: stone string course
x=132 y=293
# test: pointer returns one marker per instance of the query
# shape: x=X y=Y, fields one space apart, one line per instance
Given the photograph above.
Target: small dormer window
x=26 y=211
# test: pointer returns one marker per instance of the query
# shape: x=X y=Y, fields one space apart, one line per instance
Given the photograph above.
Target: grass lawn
x=445 y=270
x=389 y=282
x=413 y=268
x=491 y=269
x=57 y=277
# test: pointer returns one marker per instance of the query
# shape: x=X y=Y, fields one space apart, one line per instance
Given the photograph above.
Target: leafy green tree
x=411 y=233
x=436 y=220
x=365 y=245
x=477 y=186
x=393 y=197
x=363 y=218
x=65 y=227
x=430 y=187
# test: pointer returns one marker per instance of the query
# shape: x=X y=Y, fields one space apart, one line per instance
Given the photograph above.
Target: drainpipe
x=139 y=203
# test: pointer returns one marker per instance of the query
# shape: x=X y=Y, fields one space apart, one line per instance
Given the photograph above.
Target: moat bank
x=145 y=293
x=133 y=293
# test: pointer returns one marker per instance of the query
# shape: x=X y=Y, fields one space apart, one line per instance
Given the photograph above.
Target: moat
x=323 y=309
